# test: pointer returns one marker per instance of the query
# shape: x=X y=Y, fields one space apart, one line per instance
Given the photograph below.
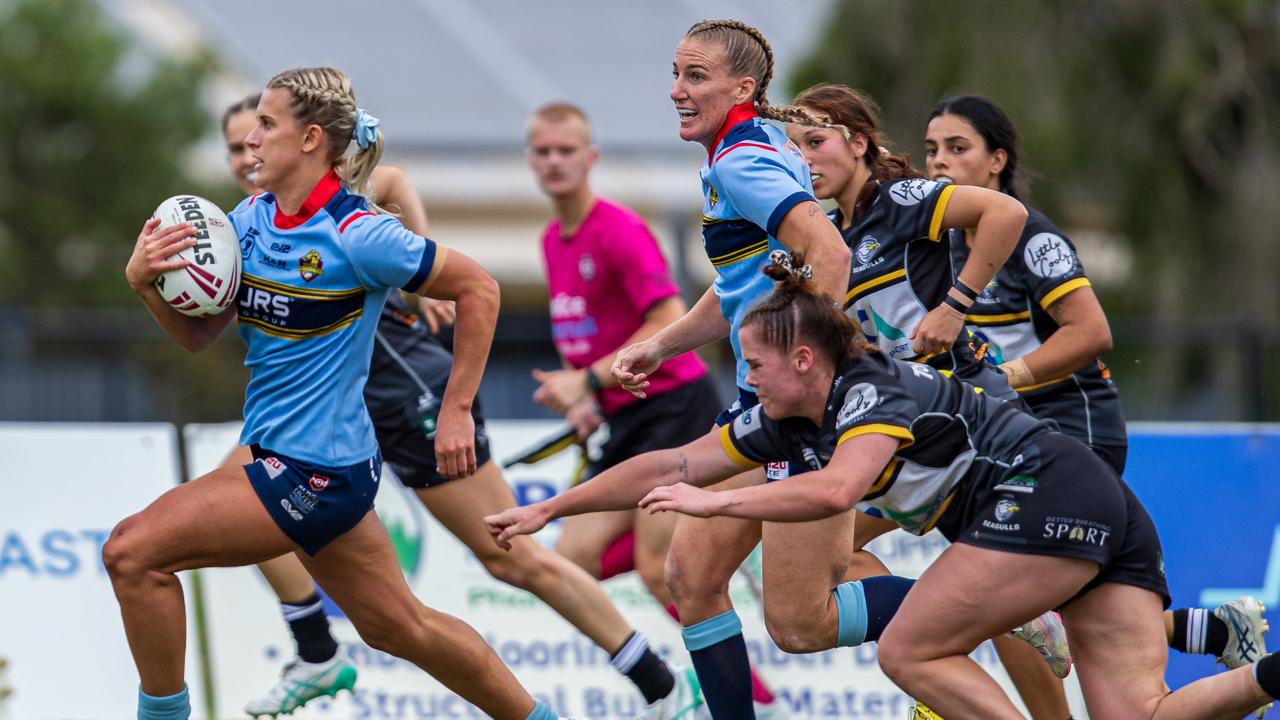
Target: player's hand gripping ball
x=208 y=285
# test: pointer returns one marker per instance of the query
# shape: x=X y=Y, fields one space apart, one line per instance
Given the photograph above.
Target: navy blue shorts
x=747 y=400
x=313 y=504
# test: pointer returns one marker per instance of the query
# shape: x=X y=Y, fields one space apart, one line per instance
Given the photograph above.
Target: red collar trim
x=737 y=114
x=321 y=194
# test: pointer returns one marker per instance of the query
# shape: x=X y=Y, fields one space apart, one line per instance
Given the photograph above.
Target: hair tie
x=782 y=258
x=366 y=129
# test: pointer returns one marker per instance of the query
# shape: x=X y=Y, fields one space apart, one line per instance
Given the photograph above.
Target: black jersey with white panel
x=1011 y=317
x=901 y=269
x=407 y=360
x=956 y=443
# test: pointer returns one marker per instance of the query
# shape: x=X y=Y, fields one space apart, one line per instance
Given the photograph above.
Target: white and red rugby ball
x=208 y=285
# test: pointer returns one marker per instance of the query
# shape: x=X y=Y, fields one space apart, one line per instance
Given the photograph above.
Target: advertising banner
x=62 y=488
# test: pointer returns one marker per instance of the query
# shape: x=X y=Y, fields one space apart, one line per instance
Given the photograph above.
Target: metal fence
x=116 y=365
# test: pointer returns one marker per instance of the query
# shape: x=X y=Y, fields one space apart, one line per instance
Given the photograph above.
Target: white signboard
x=62 y=488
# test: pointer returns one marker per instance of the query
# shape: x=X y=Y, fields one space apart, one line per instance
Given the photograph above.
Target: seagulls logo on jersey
x=1049 y=256
x=911 y=192
x=867 y=249
x=1005 y=509
x=860 y=400
x=310 y=266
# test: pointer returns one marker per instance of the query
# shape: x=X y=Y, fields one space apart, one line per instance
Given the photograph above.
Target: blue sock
x=170 y=707
x=866 y=606
x=542 y=711
x=720 y=657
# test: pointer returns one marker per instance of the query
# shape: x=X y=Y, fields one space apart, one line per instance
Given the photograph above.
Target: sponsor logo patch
x=777 y=470
x=860 y=400
x=273 y=466
x=1076 y=530
x=1017 y=484
x=1049 y=256
x=288 y=507
x=911 y=192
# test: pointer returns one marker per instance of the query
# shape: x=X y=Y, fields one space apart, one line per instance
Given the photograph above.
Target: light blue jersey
x=312 y=288
x=750 y=182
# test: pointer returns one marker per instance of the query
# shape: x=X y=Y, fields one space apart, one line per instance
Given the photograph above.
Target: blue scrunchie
x=366 y=129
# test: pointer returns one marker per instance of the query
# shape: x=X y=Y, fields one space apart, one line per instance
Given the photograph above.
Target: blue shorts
x=313 y=504
x=747 y=400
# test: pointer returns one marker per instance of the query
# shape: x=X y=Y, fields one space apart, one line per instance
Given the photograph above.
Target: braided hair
x=796 y=312
x=750 y=55
x=323 y=96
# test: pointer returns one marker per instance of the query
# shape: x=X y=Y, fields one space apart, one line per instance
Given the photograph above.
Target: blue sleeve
x=387 y=255
x=757 y=181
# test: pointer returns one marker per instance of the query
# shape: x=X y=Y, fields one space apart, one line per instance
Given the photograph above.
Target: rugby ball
x=208 y=285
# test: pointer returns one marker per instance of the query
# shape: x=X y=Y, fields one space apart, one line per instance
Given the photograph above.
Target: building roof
x=460 y=77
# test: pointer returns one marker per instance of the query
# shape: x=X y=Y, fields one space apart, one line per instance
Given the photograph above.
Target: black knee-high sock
x=719 y=656
x=884 y=594
x=1198 y=631
x=650 y=674
x=310 y=628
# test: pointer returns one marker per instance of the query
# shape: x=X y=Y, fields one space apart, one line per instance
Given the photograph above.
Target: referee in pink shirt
x=609 y=287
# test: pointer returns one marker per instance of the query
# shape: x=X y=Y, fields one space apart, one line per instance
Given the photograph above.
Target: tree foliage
x=92 y=136
x=1156 y=122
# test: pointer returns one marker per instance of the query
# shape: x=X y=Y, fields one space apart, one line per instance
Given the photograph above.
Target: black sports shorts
x=659 y=422
x=408 y=440
x=1063 y=500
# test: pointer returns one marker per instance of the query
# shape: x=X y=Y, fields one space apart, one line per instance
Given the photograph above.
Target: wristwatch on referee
x=593 y=381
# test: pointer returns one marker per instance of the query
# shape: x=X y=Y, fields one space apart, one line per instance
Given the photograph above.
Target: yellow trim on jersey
x=941 y=509
x=935 y=224
x=1046 y=383
x=1066 y=287
x=711 y=221
x=290 y=334
x=437 y=265
x=732 y=451
x=944 y=373
x=740 y=254
x=298 y=292
x=997 y=319
x=903 y=434
x=858 y=290
x=883 y=481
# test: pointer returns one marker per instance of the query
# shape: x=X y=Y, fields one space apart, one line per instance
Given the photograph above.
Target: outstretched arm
x=701 y=462
x=800 y=498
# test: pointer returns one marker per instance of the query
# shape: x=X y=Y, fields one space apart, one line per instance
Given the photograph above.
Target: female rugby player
x=1042 y=323
x=316 y=468
x=756 y=197
x=408 y=374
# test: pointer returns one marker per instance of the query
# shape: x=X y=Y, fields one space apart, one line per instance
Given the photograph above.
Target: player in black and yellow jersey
x=1041 y=322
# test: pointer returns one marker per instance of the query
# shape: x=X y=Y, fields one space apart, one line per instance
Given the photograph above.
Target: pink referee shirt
x=601 y=281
